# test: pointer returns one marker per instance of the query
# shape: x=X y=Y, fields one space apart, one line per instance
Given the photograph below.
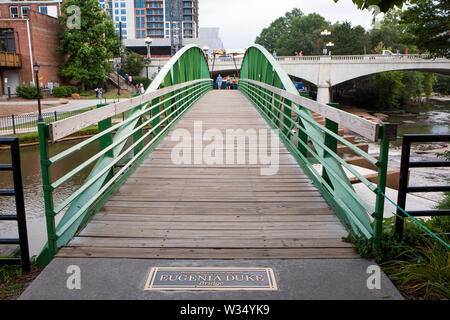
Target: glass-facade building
x=142 y=18
x=121 y=11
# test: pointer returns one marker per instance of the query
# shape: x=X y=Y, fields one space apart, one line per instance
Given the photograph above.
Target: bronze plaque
x=200 y=278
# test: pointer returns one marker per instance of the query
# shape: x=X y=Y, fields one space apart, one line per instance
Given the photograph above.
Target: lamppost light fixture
x=36 y=67
x=330 y=44
x=148 y=40
x=325 y=32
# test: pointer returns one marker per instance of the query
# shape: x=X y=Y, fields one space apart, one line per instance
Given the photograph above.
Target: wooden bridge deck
x=166 y=210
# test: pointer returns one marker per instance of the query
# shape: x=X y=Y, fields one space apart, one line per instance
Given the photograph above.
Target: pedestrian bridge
x=199 y=173
x=328 y=71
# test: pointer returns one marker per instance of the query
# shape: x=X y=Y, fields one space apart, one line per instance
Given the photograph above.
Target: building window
x=43 y=10
x=14 y=12
x=7 y=41
x=25 y=11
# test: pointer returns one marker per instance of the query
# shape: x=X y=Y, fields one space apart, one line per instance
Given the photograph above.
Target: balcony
x=10 y=59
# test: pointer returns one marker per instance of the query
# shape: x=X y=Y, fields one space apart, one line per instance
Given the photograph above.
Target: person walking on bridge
x=219 y=81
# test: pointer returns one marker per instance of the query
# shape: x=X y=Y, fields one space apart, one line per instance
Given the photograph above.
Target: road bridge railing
x=315 y=145
x=369 y=58
x=121 y=147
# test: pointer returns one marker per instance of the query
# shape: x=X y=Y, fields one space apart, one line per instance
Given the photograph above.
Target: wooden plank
x=94 y=230
x=392 y=179
x=224 y=242
x=144 y=217
x=344 y=149
x=194 y=253
x=362 y=162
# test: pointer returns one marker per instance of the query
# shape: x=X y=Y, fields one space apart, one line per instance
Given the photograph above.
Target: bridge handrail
x=65 y=127
x=270 y=89
x=363 y=127
x=363 y=58
x=334 y=154
x=122 y=147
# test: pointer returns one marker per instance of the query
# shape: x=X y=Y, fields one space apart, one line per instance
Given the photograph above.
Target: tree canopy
x=88 y=46
x=428 y=25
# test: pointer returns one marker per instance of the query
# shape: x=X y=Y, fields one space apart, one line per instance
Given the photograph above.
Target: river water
x=432 y=118
x=32 y=182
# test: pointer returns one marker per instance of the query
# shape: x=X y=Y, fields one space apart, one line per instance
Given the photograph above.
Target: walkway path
x=166 y=210
x=212 y=216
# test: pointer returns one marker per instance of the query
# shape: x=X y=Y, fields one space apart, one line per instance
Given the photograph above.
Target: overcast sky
x=241 y=21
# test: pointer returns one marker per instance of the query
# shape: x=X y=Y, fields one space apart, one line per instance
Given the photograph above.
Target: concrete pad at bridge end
x=297 y=279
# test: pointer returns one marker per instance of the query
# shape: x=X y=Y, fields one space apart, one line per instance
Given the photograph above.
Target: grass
x=90 y=95
x=417 y=264
x=33 y=137
x=13 y=281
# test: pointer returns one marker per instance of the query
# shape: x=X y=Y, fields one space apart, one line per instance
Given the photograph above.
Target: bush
x=138 y=80
x=27 y=91
x=64 y=91
x=418 y=263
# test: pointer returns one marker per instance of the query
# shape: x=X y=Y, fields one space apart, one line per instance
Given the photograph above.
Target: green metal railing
x=122 y=147
x=269 y=88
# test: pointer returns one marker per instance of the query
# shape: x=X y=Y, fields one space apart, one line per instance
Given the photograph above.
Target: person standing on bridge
x=219 y=81
x=228 y=82
x=274 y=53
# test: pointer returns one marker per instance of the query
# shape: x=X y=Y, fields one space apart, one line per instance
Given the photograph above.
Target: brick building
x=28 y=34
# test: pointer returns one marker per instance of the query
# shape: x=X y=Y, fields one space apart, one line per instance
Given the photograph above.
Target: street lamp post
x=330 y=44
x=36 y=67
x=118 y=80
x=325 y=33
x=205 y=51
x=148 y=42
x=147 y=63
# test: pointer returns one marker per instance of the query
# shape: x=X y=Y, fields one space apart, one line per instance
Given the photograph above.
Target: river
x=432 y=118
x=32 y=182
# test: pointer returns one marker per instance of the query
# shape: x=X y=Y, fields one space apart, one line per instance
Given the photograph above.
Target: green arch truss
x=150 y=120
x=259 y=65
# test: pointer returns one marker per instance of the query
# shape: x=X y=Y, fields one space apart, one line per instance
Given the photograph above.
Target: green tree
x=427 y=23
x=384 y=5
x=294 y=32
x=271 y=36
x=90 y=46
x=304 y=35
x=133 y=63
x=348 y=39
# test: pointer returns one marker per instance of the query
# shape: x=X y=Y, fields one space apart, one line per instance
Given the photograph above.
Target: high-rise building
x=154 y=18
x=121 y=11
x=158 y=15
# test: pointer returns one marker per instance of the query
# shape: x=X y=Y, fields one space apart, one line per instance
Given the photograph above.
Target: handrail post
x=329 y=140
x=403 y=184
x=287 y=114
x=44 y=136
x=153 y=113
x=388 y=132
x=105 y=140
